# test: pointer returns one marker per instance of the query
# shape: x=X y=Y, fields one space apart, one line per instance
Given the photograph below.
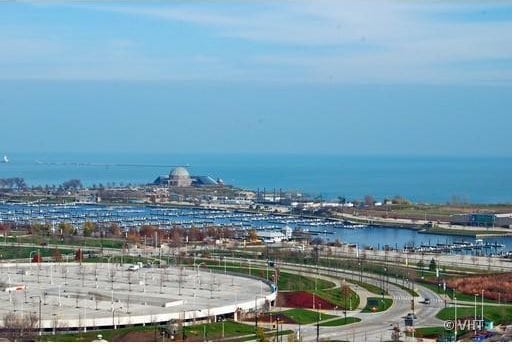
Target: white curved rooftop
x=180 y=172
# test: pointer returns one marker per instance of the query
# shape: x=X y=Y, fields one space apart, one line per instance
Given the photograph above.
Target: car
x=426 y=301
x=411 y=316
x=133 y=268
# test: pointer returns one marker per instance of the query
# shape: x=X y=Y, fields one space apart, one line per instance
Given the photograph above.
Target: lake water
x=423 y=179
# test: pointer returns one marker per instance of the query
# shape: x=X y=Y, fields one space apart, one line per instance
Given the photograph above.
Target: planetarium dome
x=180 y=177
x=180 y=172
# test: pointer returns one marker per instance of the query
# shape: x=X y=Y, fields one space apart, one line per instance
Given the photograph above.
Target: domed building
x=180 y=177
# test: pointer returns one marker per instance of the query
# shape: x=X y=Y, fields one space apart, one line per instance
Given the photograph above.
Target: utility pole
x=256 y=313
x=318 y=326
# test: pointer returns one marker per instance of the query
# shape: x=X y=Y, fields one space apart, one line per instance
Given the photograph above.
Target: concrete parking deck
x=72 y=295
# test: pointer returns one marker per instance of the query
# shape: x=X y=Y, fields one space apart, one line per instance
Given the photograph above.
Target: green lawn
x=370 y=287
x=430 y=332
x=383 y=304
x=109 y=335
x=409 y=290
x=341 y=321
x=304 y=316
x=78 y=241
x=336 y=297
x=287 y=281
x=296 y=282
x=500 y=315
x=15 y=252
x=214 y=330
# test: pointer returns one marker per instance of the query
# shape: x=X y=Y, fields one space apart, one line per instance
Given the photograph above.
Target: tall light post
x=482 y=306
x=30 y=259
x=474 y=325
x=317 y=326
x=39 y=322
x=222 y=320
x=455 y=322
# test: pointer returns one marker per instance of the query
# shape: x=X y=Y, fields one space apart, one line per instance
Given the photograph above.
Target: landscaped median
x=306 y=316
x=341 y=321
x=377 y=304
x=299 y=291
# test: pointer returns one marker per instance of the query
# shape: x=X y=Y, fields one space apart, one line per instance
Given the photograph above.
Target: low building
x=482 y=220
x=270 y=236
x=274 y=236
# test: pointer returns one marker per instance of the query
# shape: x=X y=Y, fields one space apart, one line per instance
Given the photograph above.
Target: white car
x=133 y=268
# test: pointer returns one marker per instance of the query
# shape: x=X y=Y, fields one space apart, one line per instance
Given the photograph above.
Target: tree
x=346 y=293
x=4 y=229
x=20 y=327
x=369 y=200
x=66 y=229
x=89 y=228
x=114 y=229
x=57 y=256
x=79 y=255
x=432 y=266
x=253 y=236
x=317 y=241
x=37 y=258
x=420 y=265
x=132 y=236
x=72 y=184
x=176 y=236
x=260 y=335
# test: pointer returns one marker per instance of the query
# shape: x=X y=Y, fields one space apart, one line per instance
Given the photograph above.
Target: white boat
x=5 y=160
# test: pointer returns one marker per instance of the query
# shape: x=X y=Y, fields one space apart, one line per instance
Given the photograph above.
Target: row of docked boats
x=455 y=246
x=163 y=217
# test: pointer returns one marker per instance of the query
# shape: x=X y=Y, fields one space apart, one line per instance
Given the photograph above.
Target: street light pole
x=40 y=304
x=474 y=325
x=483 y=306
x=317 y=326
x=455 y=323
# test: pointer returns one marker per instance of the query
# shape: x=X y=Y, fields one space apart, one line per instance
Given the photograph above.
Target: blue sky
x=334 y=77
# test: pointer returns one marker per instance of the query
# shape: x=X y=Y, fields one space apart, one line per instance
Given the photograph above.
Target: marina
x=363 y=236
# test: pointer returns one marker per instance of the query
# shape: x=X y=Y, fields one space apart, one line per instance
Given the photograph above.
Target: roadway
x=373 y=326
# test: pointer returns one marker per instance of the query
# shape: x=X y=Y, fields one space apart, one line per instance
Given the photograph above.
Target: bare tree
x=20 y=327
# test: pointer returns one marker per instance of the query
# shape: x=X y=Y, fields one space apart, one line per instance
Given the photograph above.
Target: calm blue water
x=424 y=179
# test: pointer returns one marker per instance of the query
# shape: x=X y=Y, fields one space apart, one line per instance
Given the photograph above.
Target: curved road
x=374 y=326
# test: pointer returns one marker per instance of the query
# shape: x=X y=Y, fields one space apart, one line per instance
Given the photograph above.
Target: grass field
x=78 y=241
x=109 y=335
x=214 y=330
x=430 y=332
x=304 y=316
x=287 y=281
x=341 y=321
x=15 y=252
x=336 y=297
x=500 y=315
x=381 y=304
